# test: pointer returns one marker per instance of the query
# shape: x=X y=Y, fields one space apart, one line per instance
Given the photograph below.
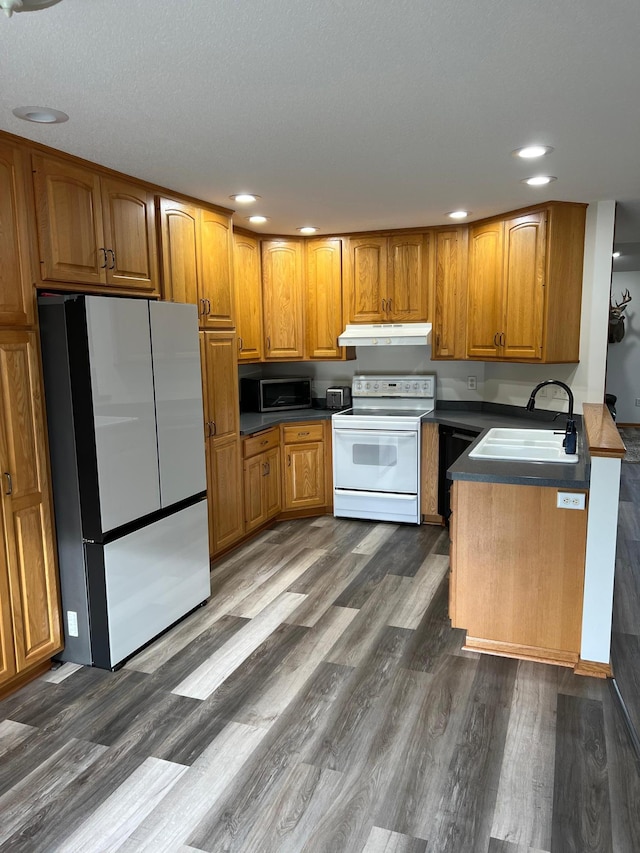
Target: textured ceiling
x=346 y=114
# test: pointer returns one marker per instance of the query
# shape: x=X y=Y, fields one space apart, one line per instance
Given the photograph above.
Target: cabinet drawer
x=261 y=441
x=303 y=432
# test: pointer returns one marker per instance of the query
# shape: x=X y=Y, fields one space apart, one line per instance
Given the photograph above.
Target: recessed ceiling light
x=258 y=220
x=244 y=198
x=307 y=229
x=458 y=214
x=539 y=180
x=530 y=152
x=40 y=115
x=616 y=255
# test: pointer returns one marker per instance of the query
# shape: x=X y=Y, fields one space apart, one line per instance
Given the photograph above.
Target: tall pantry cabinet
x=30 y=631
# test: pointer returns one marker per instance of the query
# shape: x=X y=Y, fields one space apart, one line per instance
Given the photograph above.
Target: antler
x=626 y=297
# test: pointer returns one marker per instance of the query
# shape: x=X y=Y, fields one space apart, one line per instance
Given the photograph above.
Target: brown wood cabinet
x=429 y=468
x=196 y=261
x=387 y=278
x=283 y=299
x=93 y=229
x=525 y=283
x=449 y=294
x=248 y=297
x=262 y=478
x=222 y=440
x=30 y=630
x=517 y=563
x=323 y=306
x=304 y=465
x=16 y=291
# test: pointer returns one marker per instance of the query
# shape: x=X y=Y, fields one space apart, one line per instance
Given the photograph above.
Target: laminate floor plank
x=581 y=806
x=44 y=784
x=434 y=638
x=202 y=682
x=283 y=580
x=624 y=783
x=337 y=538
x=524 y=804
x=233 y=817
x=168 y=826
x=323 y=583
x=375 y=538
x=125 y=809
x=625 y=650
x=465 y=812
x=362 y=634
x=626 y=599
x=385 y=841
x=501 y=846
x=12 y=734
x=420 y=591
x=58 y=674
x=283 y=685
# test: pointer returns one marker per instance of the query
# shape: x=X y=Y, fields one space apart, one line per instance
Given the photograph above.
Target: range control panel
x=394 y=386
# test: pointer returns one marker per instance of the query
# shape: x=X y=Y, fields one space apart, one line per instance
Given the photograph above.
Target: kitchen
x=497 y=382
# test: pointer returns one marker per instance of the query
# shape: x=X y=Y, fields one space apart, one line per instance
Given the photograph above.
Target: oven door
x=376 y=460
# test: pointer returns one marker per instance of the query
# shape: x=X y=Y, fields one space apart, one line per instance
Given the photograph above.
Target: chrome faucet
x=570 y=434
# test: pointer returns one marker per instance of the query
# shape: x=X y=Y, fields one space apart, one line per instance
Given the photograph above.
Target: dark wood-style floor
x=625 y=643
x=319 y=702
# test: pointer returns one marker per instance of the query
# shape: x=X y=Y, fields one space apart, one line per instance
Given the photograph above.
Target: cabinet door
x=272 y=483
x=16 y=297
x=179 y=229
x=304 y=475
x=449 y=299
x=255 y=473
x=129 y=235
x=484 y=315
x=220 y=375
x=323 y=310
x=26 y=508
x=215 y=276
x=282 y=299
x=225 y=493
x=248 y=297
x=524 y=281
x=7 y=655
x=69 y=217
x=407 y=282
x=367 y=280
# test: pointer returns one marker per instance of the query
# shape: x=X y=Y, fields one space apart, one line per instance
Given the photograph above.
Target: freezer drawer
x=153 y=577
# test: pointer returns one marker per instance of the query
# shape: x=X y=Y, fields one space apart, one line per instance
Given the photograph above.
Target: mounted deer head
x=616 y=318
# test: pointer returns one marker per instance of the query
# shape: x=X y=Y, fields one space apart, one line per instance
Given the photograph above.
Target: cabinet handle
x=268 y=465
x=388 y=306
x=502 y=339
x=104 y=257
x=384 y=306
x=264 y=441
x=202 y=312
x=288 y=460
x=212 y=428
x=264 y=469
x=208 y=311
x=300 y=434
x=495 y=340
x=9 y=483
x=113 y=259
x=268 y=342
x=239 y=344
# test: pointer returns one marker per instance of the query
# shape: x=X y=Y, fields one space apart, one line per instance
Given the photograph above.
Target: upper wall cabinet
x=449 y=294
x=16 y=297
x=196 y=261
x=323 y=307
x=386 y=279
x=283 y=298
x=248 y=293
x=93 y=229
x=525 y=283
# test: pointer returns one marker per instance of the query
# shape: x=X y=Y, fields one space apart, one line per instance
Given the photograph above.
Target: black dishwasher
x=453 y=443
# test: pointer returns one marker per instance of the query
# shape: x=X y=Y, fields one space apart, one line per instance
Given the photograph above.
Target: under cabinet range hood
x=385 y=334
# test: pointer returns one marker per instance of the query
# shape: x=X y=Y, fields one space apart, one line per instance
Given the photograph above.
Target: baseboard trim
x=24 y=678
x=520 y=652
x=593 y=668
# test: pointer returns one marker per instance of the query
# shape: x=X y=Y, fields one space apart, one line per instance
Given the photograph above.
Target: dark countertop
x=571 y=475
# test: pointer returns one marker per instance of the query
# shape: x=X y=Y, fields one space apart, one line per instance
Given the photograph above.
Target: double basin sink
x=523 y=445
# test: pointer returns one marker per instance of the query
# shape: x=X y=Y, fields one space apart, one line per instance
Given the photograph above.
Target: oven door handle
x=361 y=493
x=395 y=433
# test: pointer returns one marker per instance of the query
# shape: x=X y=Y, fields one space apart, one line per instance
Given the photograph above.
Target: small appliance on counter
x=273 y=395
x=338 y=397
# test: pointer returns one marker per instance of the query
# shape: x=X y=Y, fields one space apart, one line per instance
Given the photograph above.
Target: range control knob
x=415 y=384
x=376 y=386
x=407 y=386
x=359 y=386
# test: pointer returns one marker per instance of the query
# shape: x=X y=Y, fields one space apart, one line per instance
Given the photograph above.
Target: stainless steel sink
x=523 y=445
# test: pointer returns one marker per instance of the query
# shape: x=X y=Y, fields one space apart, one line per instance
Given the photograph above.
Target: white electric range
x=376 y=448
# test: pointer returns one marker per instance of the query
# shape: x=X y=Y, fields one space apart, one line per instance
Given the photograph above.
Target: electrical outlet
x=570 y=500
x=558 y=394
x=472 y=383
x=542 y=392
x=637 y=401
x=72 y=623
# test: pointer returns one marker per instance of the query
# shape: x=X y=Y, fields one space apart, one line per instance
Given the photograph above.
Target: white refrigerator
x=124 y=409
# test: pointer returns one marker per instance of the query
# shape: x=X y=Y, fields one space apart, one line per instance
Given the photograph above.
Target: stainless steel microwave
x=272 y=395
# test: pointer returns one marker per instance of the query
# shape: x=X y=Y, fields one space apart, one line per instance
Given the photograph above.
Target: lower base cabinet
x=517 y=570
x=303 y=448
x=262 y=486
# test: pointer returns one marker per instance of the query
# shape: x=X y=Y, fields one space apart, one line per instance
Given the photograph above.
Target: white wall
x=512 y=383
x=623 y=361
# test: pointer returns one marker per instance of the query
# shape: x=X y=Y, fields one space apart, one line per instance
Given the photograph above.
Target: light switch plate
x=571 y=500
